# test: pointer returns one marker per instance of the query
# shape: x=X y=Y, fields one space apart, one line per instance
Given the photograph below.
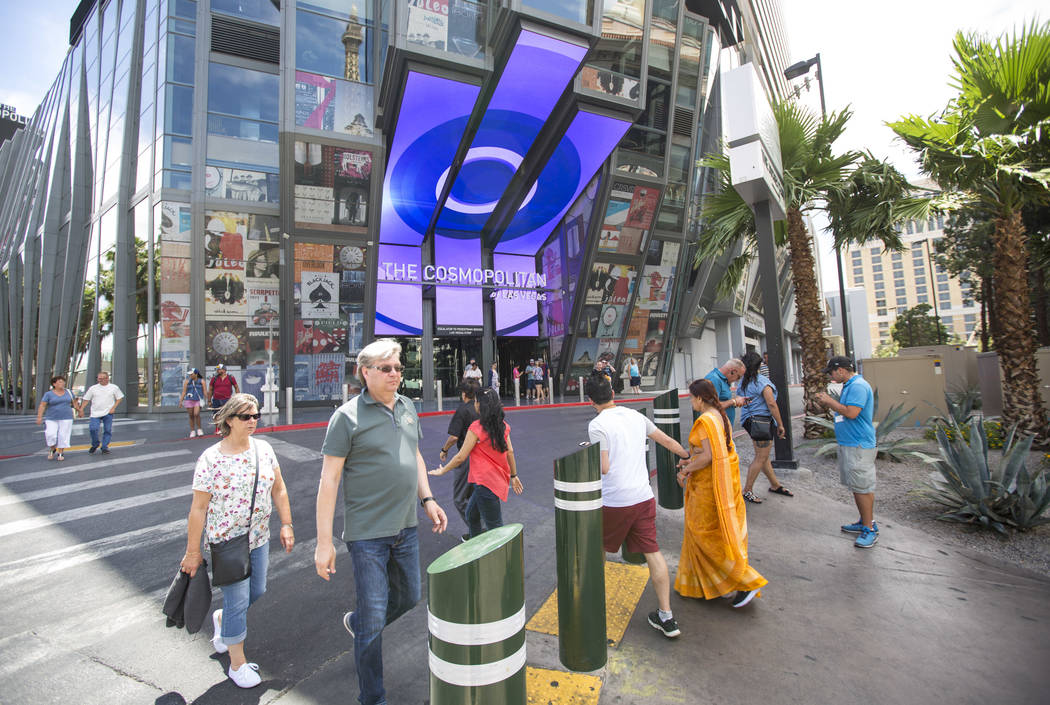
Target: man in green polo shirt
x=372 y=444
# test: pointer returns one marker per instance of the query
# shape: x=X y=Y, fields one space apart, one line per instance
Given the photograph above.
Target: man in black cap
x=855 y=434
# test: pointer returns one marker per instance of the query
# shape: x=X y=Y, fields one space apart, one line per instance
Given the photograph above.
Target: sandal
x=60 y=457
x=51 y=454
x=782 y=490
x=750 y=497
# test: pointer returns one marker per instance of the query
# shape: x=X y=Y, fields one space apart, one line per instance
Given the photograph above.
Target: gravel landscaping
x=896 y=498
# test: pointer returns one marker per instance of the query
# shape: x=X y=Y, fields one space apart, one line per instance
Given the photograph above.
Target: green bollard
x=582 y=642
x=667 y=418
x=476 y=619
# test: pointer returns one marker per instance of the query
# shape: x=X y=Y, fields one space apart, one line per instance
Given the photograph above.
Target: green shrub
x=1003 y=497
x=992 y=429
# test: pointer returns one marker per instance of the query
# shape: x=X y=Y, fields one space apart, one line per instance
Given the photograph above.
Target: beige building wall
x=897 y=281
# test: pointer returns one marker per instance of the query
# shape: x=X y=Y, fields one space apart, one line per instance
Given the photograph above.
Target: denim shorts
x=857 y=468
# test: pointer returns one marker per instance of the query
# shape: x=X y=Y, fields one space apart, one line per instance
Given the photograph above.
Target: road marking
x=114 y=444
x=13 y=498
x=293 y=451
x=54 y=470
x=545 y=686
x=36 y=566
x=624 y=585
x=17 y=527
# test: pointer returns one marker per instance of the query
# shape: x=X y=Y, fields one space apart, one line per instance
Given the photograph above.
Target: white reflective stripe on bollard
x=480 y=674
x=577 y=505
x=563 y=486
x=476 y=634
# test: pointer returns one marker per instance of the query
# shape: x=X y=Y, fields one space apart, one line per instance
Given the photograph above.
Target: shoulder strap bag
x=231 y=559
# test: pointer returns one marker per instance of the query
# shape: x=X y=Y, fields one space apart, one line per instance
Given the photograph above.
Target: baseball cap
x=837 y=362
x=220 y=366
x=194 y=371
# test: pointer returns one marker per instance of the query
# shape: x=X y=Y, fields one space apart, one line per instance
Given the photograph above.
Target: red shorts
x=635 y=524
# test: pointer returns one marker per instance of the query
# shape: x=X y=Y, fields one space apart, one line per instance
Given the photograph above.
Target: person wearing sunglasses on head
x=372 y=445
x=223 y=505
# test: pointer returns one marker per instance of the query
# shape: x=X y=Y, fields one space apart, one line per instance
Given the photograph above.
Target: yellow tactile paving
x=546 y=687
x=623 y=588
x=114 y=444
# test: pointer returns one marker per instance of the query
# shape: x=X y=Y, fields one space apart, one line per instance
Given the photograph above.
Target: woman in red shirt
x=492 y=467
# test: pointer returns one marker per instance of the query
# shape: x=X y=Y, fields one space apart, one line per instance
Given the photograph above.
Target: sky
x=883 y=60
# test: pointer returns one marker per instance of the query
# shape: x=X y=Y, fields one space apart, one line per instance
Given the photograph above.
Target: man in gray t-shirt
x=372 y=445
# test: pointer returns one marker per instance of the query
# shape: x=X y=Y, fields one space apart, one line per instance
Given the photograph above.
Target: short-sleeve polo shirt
x=858 y=432
x=723 y=390
x=380 y=475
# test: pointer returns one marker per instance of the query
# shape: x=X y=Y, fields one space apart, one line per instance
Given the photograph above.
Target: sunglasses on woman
x=245 y=417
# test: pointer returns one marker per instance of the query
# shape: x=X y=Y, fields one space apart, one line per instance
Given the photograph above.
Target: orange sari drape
x=714 y=548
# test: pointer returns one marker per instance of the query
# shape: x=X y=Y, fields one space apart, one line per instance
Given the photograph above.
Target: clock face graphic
x=227 y=343
x=352 y=257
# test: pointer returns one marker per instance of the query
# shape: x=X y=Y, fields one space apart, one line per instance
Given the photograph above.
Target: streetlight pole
x=794 y=71
x=933 y=292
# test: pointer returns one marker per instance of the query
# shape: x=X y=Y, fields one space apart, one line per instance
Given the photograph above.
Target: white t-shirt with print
x=622 y=432
x=102 y=398
x=228 y=479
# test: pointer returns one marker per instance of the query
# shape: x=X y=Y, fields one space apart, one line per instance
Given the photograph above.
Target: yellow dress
x=714 y=548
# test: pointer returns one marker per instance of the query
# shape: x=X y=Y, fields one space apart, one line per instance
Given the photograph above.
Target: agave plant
x=997 y=497
x=895 y=450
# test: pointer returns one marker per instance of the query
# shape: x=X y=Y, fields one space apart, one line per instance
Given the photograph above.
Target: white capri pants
x=56 y=433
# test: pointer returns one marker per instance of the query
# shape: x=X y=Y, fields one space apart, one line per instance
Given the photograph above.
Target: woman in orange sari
x=714 y=549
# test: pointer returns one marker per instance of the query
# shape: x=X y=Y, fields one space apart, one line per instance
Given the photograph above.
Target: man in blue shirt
x=855 y=434
x=722 y=377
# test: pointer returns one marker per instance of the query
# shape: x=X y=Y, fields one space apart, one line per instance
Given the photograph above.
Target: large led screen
x=399 y=307
x=534 y=77
x=516 y=308
x=586 y=144
x=458 y=307
x=430 y=126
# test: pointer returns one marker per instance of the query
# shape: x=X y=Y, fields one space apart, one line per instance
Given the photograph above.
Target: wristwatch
x=423 y=502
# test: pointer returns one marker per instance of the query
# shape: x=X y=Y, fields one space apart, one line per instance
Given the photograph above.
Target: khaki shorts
x=857 y=468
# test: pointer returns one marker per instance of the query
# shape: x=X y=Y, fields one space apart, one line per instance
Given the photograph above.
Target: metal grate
x=229 y=36
x=683 y=122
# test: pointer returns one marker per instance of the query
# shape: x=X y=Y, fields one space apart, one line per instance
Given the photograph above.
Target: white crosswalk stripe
x=94 y=484
x=20 y=525
x=55 y=471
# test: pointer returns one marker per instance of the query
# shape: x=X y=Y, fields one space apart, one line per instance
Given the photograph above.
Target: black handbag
x=231 y=559
x=760 y=428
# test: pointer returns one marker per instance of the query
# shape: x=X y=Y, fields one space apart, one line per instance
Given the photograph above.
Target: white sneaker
x=216 y=641
x=200 y=432
x=247 y=676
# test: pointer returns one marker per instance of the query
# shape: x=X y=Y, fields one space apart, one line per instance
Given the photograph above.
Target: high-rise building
x=898 y=281
x=256 y=182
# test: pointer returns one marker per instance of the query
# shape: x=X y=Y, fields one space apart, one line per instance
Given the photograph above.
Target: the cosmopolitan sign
x=512 y=284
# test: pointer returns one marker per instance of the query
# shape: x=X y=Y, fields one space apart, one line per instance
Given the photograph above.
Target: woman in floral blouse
x=222 y=488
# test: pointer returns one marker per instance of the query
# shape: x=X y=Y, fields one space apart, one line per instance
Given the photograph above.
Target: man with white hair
x=372 y=444
x=724 y=376
x=104 y=398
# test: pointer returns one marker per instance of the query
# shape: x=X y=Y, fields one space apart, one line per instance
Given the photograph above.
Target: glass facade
x=212 y=202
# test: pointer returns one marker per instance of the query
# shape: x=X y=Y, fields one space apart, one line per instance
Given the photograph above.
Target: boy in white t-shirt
x=628 y=504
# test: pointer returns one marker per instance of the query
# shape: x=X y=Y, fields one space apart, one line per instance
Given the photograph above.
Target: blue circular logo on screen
x=497 y=151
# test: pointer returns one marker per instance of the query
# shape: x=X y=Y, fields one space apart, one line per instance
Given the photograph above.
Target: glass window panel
x=242 y=129
x=332 y=184
x=180 y=58
x=183 y=8
x=319 y=47
x=178 y=113
x=258 y=10
x=241 y=184
x=176 y=179
x=178 y=152
x=237 y=91
x=338 y=8
x=579 y=11
x=144 y=170
x=324 y=103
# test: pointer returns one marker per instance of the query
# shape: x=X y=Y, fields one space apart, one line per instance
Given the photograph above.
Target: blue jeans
x=386 y=574
x=483 y=511
x=107 y=430
x=238 y=597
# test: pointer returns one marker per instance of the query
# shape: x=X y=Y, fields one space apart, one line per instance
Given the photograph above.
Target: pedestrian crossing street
x=101 y=536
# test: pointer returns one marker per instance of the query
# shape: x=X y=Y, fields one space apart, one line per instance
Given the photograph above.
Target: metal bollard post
x=476 y=619
x=581 y=389
x=582 y=642
x=550 y=389
x=289 y=395
x=440 y=394
x=517 y=392
x=346 y=393
x=667 y=418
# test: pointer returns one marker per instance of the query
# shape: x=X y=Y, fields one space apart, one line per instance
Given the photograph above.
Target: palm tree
x=863 y=197
x=990 y=146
